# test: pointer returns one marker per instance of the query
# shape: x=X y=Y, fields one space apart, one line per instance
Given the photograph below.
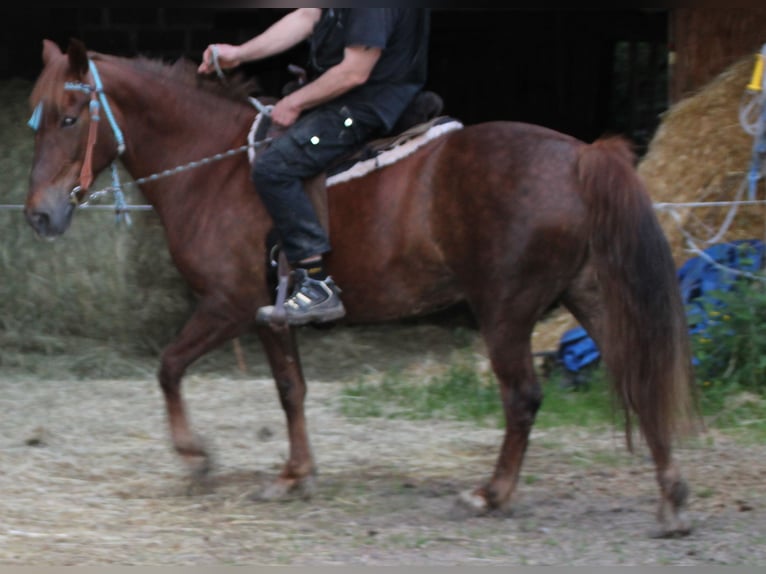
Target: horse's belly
x=386 y=299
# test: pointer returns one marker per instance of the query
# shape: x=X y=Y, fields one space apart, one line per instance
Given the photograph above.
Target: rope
x=661 y=206
x=216 y=63
x=128 y=207
x=694 y=248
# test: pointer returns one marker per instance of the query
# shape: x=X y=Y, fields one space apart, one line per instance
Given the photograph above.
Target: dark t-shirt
x=399 y=74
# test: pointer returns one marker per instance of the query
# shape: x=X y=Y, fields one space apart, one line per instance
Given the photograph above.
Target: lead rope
x=216 y=63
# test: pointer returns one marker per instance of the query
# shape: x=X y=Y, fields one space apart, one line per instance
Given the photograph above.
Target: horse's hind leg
x=584 y=302
x=509 y=348
x=298 y=472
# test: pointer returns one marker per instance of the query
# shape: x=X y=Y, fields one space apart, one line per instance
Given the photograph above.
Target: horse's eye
x=68 y=121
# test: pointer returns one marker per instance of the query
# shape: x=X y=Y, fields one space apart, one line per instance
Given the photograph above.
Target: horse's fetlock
x=678 y=493
x=494 y=498
x=293 y=471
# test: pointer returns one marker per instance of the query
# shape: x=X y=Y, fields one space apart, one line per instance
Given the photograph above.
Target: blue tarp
x=700 y=281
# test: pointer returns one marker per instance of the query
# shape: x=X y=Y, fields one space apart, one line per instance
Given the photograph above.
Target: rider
x=366 y=65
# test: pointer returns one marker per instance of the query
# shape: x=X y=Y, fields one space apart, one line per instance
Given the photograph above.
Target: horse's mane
x=236 y=86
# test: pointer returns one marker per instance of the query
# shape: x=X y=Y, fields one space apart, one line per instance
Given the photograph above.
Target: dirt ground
x=87 y=477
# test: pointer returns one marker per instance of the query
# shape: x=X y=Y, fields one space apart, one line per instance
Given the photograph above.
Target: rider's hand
x=227 y=58
x=285 y=112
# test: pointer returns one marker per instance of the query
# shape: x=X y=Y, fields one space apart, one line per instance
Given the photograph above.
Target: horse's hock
x=701 y=153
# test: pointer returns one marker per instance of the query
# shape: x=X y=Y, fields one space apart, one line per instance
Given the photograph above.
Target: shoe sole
x=323 y=318
x=304 y=320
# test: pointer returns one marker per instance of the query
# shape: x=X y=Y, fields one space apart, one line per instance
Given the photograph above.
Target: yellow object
x=756 y=81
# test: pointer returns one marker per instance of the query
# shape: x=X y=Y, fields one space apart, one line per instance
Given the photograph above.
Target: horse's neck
x=164 y=131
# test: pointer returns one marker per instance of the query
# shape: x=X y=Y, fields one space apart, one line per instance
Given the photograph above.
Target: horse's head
x=65 y=113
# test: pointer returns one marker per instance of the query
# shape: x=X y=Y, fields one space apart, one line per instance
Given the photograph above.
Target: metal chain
x=116 y=189
x=198 y=163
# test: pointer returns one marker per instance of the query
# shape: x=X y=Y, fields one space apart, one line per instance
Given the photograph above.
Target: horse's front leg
x=298 y=472
x=203 y=332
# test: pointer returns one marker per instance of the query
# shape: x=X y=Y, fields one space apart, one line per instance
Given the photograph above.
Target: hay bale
x=701 y=153
x=101 y=281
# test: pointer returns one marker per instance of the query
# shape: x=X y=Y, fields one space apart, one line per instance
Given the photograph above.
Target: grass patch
x=586 y=406
x=465 y=391
x=462 y=392
x=740 y=411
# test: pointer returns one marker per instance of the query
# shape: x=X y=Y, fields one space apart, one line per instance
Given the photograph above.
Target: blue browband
x=37 y=116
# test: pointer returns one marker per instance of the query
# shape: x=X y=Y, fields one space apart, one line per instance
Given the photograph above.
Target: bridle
x=98 y=100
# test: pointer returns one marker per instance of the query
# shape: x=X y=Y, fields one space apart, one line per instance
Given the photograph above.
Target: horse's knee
x=169 y=375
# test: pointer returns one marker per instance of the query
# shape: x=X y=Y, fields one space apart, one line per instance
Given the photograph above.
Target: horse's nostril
x=39 y=220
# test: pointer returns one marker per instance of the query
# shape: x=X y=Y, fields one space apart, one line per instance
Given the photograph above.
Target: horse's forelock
x=49 y=87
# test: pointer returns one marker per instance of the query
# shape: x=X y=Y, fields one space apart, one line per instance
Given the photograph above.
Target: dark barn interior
x=582 y=71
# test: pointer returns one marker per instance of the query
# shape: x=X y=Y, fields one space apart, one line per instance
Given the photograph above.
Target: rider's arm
x=280 y=36
x=352 y=71
x=285 y=33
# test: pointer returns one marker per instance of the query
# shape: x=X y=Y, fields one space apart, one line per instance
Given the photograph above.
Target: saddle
x=422 y=114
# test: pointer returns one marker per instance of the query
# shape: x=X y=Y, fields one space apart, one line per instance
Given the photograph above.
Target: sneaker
x=312 y=301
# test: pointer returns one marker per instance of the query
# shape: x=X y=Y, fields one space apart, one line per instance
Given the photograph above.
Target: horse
x=508 y=218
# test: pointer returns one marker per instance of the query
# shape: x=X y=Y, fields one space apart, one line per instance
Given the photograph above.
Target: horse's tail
x=644 y=338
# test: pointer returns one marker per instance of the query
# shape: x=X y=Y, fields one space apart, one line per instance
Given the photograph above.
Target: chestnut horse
x=509 y=217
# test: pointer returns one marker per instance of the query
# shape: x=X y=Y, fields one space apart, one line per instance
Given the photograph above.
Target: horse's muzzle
x=49 y=221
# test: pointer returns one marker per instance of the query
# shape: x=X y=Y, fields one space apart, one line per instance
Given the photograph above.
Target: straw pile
x=101 y=286
x=701 y=153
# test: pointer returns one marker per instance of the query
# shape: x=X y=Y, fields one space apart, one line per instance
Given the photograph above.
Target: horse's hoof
x=666 y=533
x=680 y=527
x=195 y=456
x=200 y=481
x=671 y=514
x=282 y=489
x=199 y=485
x=467 y=505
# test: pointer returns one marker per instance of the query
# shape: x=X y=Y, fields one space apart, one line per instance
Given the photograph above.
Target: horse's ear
x=78 y=57
x=50 y=51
